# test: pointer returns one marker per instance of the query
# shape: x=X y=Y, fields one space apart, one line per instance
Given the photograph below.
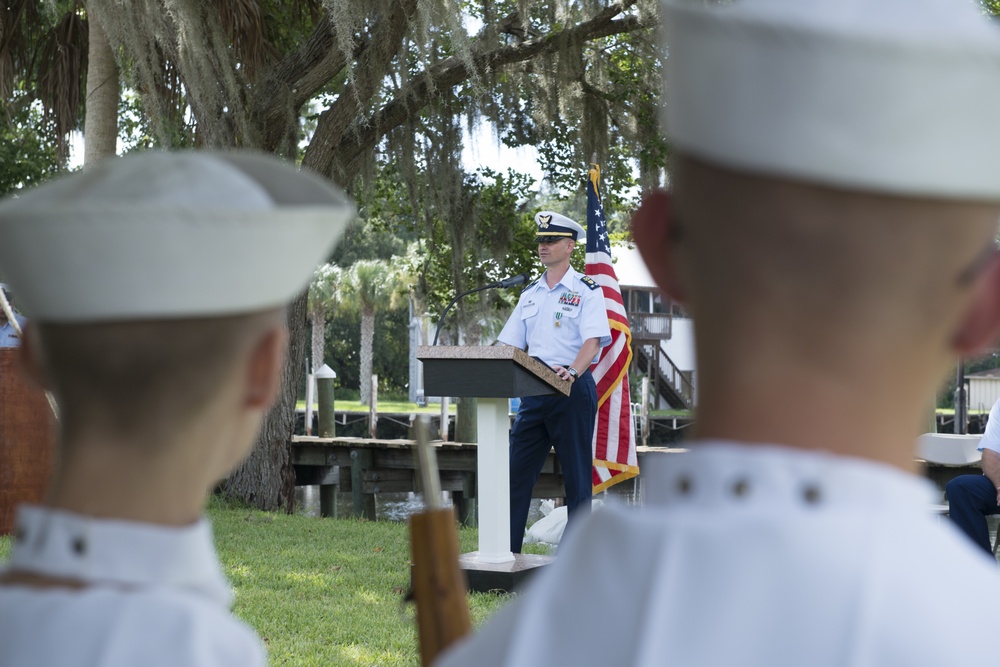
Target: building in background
x=984 y=389
x=662 y=334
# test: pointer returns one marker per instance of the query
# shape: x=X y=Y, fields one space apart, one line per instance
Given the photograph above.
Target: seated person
x=157 y=321
x=972 y=497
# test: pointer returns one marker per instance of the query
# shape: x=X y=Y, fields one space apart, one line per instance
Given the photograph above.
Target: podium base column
x=507 y=577
x=493 y=477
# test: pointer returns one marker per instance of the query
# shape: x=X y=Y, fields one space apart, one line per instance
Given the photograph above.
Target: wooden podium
x=492 y=375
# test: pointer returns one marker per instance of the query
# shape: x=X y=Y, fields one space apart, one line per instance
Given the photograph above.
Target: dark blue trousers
x=544 y=422
x=970 y=499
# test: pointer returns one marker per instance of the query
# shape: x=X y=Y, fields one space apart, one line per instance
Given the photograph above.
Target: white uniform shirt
x=991 y=434
x=155 y=597
x=8 y=334
x=552 y=324
x=760 y=557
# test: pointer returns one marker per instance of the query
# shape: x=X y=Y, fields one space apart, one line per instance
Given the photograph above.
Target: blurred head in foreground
x=156 y=286
x=830 y=228
x=833 y=203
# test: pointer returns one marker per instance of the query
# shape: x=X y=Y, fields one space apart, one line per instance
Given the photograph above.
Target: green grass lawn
x=324 y=591
x=385 y=406
x=684 y=414
x=950 y=412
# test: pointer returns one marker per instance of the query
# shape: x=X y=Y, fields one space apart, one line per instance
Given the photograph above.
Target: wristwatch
x=572 y=373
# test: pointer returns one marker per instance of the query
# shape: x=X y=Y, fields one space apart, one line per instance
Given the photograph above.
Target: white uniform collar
x=566 y=281
x=719 y=473
x=106 y=552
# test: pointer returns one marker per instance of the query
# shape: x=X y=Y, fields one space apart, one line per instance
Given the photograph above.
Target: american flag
x=614 y=439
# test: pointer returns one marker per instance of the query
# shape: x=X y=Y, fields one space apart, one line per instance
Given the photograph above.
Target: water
x=399 y=506
x=388 y=506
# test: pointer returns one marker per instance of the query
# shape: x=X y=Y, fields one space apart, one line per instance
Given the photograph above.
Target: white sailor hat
x=894 y=96
x=555 y=226
x=162 y=235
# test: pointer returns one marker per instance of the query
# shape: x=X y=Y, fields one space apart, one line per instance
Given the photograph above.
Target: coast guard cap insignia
x=543 y=221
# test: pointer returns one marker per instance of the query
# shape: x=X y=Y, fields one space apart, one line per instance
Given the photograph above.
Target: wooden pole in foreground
x=439 y=588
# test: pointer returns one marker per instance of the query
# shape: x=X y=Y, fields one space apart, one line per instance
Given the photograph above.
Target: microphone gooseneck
x=519 y=279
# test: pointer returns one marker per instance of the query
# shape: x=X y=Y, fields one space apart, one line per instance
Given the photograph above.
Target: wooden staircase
x=668 y=381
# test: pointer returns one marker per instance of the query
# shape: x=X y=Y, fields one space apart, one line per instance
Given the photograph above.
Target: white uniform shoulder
x=152 y=627
x=991 y=434
x=587 y=281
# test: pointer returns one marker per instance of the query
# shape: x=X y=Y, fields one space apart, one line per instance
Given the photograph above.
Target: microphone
x=519 y=279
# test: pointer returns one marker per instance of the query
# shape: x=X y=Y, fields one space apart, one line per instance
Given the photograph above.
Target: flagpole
x=614 y=448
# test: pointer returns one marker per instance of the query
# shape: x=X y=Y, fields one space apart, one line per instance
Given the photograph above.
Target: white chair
x=948 y=449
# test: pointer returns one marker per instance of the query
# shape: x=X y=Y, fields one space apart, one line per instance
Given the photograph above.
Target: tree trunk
x=100 y=125
x=467 y=420
x=318 y=337
x=266 y=479
x=367 y=342
x=467 y=411
x=372 y=65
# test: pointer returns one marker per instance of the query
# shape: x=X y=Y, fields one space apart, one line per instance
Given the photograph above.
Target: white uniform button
x=811 y=494
x=684 y=485
x=79 y=546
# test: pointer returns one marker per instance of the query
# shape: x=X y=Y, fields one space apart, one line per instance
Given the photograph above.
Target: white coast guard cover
x=896 y=96
x=169 y=235
x=551 y=223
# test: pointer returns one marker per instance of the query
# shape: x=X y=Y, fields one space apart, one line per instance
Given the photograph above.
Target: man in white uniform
x=561 y=320
x=834 y=198
x=156 y=287
x=971 y=498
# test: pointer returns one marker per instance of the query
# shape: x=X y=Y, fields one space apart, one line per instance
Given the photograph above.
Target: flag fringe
x=626 y=472
x=628 y=361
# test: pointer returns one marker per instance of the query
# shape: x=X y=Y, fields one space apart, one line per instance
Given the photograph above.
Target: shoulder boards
x=589 y=282
x=532 y=283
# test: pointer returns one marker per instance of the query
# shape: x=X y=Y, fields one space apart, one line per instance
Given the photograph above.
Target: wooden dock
x=663 y=429
x=364 y=467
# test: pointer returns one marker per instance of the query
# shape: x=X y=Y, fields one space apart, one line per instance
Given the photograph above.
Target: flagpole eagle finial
x=595 y=177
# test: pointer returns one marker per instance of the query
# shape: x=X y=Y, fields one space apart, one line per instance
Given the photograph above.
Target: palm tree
x=43 y=57
x=323 y=298
x=371 y=285
x=100 y=124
